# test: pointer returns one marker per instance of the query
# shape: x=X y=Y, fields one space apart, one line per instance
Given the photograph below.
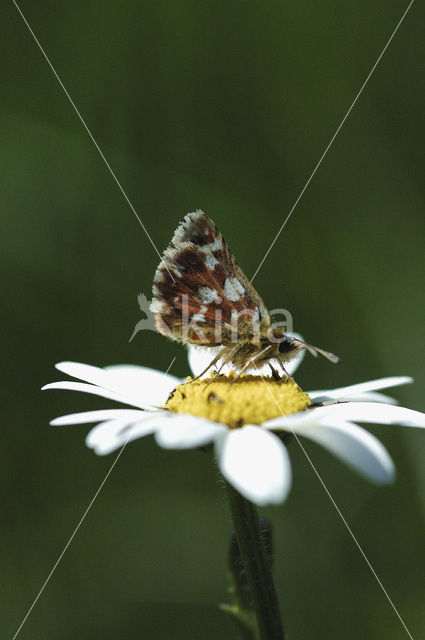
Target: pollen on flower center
x=248 y=400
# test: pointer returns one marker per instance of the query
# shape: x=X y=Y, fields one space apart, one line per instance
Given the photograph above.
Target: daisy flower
x=248 y=422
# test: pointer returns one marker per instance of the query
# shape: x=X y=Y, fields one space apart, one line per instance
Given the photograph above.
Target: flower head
x=237 y=401
x=247 y=420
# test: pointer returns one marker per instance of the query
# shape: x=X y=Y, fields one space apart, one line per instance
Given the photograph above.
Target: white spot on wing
x=215 y=245
x=159 y=275
x=208 y=295
x=188 y=225
x=233 y=290
x=200 y=316
x=197 y=215
x=158 y=306
x=211 y=261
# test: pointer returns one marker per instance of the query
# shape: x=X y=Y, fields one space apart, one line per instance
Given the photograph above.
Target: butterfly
x=201 y=296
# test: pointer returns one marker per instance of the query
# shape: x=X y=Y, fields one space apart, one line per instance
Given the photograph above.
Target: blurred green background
x=226 y=107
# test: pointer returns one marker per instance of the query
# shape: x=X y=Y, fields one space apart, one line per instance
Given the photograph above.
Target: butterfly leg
x=216 y=374
x=275 y=374
x=211 y=364
x=288 y=377
x=250 y=363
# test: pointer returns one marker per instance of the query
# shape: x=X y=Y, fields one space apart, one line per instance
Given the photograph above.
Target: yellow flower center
x=235 y=402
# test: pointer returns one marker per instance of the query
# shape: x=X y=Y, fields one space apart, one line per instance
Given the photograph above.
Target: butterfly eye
x=286 y=345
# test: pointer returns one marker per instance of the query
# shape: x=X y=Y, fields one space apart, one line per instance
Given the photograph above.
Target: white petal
x=200 y=357
x=357 y=392
x=256 y=463
x=308 y=417
x=113 y=434
x=89 y=388
x=140 y=386
x=355 y=446
x=368 y=396
x=143 y=384
x=372 y=412
x=95 y=416
x=85 y=372
x=183 y=431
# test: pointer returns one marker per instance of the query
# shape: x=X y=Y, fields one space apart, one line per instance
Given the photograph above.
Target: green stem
x=256 y=564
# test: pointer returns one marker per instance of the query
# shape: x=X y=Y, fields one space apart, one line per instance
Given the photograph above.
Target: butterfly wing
x=200 y=294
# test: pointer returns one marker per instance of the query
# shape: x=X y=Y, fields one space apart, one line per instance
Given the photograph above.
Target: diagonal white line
x=332 y=139
x=338 y=510
x=117 y=182
x=69 y=541
x=83 y=517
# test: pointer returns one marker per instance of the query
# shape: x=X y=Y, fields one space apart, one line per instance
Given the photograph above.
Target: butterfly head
x=289 y=346
x=284 y=348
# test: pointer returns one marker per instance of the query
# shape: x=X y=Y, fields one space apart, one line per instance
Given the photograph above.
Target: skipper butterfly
x=201 y=296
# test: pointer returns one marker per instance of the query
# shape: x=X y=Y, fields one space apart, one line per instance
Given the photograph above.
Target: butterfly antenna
x=316 y=351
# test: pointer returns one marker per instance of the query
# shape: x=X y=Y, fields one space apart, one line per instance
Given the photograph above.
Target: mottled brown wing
x=198 y=288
